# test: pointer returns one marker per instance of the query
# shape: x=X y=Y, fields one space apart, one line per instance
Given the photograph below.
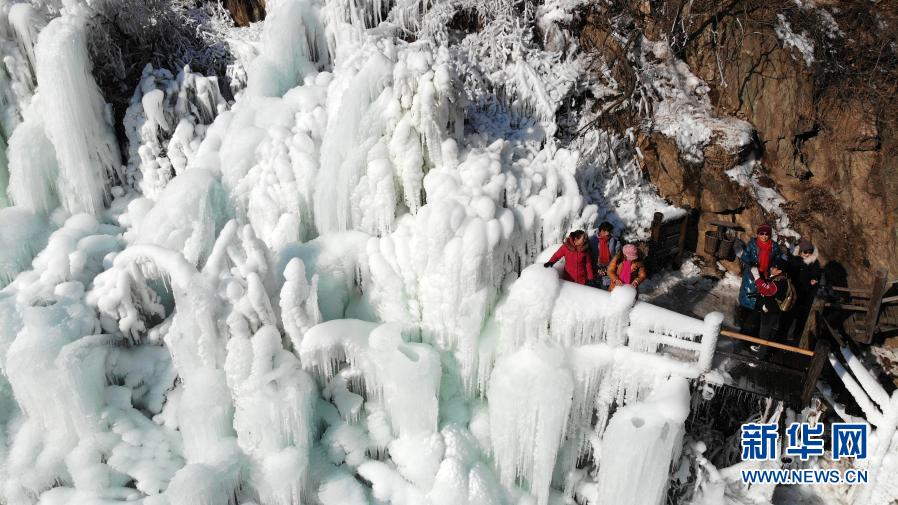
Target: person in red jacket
x=577 y=260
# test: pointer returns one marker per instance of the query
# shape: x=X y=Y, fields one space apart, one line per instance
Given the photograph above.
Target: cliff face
x=815 y=82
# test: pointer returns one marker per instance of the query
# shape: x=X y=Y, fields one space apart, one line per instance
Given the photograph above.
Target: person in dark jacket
x=805 y=272
x=603 y=247
x=577 y=261
x=757 y=256
x=773 y=291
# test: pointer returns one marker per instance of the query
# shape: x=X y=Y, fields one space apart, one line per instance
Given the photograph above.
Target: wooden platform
x=786 y=374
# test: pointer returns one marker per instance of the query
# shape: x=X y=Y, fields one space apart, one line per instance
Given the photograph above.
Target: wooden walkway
x=790 y=372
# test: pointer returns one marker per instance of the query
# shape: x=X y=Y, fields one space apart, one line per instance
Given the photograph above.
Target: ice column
x=33 y=168
x=408 y=376
x=75 y=119
x=710 y=331
x=530 y=395
x=292 y=40
x=639 y=444
x=4 y=174
x=344 y=149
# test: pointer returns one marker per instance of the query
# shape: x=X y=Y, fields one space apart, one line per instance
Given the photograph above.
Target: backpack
x=789 y=300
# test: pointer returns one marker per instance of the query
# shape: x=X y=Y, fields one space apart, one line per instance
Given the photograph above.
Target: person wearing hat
x=626 y=268
x=757 y=256
x=603 y=247
x=805 y=272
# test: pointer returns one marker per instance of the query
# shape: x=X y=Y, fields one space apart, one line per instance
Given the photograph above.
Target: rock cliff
x=815 y=82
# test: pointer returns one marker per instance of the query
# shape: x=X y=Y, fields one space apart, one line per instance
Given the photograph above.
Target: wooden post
x=879 y=289
x=812 y=322
x=681 y=243
x=655 y=242
x=657 y=219
x=821 y=351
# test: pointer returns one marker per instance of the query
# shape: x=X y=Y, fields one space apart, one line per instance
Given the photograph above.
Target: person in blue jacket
x=757 y=257
x=603 y=247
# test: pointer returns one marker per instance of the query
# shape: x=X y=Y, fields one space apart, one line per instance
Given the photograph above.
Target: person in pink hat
x=626 y=268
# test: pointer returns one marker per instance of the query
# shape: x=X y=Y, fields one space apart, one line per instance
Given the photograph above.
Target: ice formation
x=328 y=290
x=640 y=443
x=166 y=123
x=74 y=117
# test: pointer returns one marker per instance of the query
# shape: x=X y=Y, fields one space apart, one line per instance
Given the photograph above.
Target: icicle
x=870 y=384
x=289 y=47
x=26 y=23
x=873 y=414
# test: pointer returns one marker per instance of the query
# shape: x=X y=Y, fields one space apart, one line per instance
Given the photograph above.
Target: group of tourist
x=779 y=284
x=600 y=260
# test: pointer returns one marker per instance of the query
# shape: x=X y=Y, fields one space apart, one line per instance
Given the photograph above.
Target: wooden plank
x=725 y=224
x=851 y=290
x=766 y=364
x=768 y=343
x=821 y=351
x=890 y=299
x=856 y=308
x=835 y=334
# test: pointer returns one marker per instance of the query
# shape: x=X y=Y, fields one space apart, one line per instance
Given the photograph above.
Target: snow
x=746 y=174
x=801 y=42
x=682 y=108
